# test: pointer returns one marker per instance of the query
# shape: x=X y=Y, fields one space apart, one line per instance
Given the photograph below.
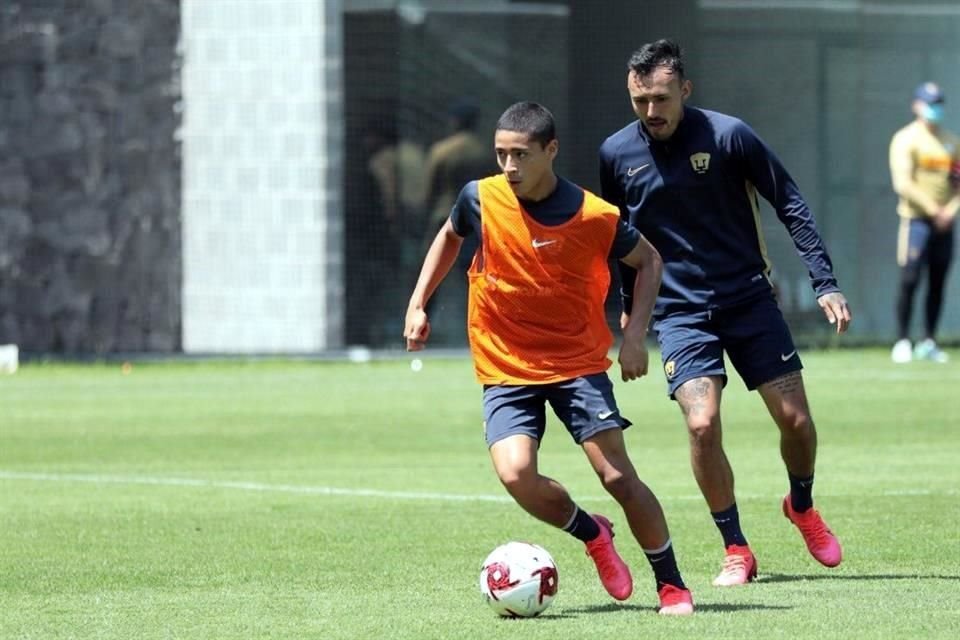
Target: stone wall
x=90 y=249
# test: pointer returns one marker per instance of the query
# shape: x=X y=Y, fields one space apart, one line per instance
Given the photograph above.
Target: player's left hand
x=836 y=309
x=943 y=221
x=633 y=359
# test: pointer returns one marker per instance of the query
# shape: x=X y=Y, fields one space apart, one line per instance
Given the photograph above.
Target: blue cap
x=928 y=92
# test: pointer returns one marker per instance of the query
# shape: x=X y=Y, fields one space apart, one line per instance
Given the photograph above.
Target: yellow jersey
x=922 y=158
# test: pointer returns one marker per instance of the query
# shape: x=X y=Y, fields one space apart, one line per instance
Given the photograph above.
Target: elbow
x=901 y=186
x=656 y=265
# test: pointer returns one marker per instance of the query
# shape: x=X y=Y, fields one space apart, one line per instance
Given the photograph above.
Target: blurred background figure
x=453 y=161
x=387 y=207
x=923 y=156
x=396 y=166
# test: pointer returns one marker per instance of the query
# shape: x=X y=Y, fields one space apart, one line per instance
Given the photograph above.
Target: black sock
x=664 y=566
x=801 y=492
x=728 y=521
x=582 y=526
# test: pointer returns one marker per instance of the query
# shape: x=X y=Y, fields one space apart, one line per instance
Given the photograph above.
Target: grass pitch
x=338 y=500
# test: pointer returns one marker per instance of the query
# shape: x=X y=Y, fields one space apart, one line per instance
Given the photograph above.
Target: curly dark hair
x=662 y=53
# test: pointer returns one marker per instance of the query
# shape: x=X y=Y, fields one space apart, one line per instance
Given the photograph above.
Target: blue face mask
x=932 y=113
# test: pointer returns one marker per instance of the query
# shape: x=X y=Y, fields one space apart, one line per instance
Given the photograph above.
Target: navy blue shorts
x=585 y=405
x=918 y=245
x=754 y=336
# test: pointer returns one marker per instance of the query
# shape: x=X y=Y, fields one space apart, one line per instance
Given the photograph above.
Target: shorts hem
x=504 y=436
x=622 y=424
x=674 y=385
x=798 y=366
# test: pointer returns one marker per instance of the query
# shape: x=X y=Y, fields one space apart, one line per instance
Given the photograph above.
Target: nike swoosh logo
x=787 y=356
x=634 y=170
x=603 y=415
x=542 y=243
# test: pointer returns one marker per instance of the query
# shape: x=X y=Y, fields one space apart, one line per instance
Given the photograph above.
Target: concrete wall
x=261 y=224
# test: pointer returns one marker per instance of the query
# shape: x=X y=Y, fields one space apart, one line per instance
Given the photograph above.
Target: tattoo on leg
x=789 y=383
x=692 y=396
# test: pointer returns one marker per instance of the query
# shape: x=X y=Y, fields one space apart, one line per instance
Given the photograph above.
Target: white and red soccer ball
x=519 y=580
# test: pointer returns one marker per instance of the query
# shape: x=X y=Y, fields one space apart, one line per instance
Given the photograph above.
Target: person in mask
x=925 y=168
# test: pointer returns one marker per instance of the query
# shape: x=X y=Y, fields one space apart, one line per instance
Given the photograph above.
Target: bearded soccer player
x=538 y=336
x=688 y=179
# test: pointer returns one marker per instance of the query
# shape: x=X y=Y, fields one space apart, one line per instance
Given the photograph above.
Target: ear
x=553 y=148
x=686 y=88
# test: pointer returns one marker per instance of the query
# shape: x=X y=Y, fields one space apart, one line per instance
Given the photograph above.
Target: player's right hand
x=416 y=329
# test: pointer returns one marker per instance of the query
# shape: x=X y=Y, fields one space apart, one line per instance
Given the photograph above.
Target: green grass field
x=339 y=500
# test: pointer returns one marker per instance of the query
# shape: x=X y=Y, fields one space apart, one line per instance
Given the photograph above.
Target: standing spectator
x=925 y=168
x=452 y=162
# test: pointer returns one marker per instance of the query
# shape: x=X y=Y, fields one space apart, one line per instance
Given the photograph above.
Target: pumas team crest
x=669 y=368
x=700 y=162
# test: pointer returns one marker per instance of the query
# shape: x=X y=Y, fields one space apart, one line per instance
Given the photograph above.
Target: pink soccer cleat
x=675 y=601
x=739 y=567
x=613 y=571
x=821 y=542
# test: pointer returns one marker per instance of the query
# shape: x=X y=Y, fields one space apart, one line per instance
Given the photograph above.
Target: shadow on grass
x=553 y=615
x=700 y=607
x=743 y=606
x=784 y=577
x=549 y=616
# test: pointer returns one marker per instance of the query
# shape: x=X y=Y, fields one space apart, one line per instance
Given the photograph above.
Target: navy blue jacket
x=694 y=197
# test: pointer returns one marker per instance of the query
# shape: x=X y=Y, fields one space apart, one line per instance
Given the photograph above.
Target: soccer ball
x=518 y=580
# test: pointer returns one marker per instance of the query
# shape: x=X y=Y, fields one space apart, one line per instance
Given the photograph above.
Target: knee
x=797 y=424
x=618 y=484
x=909 y=278
x=517 y=481
x=704 y=431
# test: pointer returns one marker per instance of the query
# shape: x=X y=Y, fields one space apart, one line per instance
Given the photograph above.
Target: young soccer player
x=538 y=336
